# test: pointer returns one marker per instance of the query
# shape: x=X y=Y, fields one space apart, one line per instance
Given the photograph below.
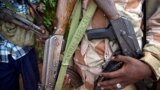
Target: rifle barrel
x=10 y=16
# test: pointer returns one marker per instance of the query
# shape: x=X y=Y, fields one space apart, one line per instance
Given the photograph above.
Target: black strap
x=144 y=23
x=151 y=85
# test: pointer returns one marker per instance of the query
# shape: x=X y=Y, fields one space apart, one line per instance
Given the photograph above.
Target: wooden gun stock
x=109 y=8
x=64 y=10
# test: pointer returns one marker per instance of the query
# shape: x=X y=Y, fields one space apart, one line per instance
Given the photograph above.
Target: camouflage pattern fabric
x=91 y=55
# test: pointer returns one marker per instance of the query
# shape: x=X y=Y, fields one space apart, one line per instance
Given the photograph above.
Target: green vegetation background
x=47 y=9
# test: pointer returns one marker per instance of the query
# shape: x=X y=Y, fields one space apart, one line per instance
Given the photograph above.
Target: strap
x=144 y=23
x=75 y=21
x=74 y=44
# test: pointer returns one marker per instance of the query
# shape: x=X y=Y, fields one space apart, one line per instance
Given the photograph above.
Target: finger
x=114 y=87
x=110 y=82
x=118 y=73
x=40 y=39
x=69 y=81
x=121 y=58
x=66 y=80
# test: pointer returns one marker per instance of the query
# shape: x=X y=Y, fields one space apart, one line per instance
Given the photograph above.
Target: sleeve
x=152 y=48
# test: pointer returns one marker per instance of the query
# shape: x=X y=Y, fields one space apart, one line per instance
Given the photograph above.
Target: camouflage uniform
x=151 y=50
x=91 y=55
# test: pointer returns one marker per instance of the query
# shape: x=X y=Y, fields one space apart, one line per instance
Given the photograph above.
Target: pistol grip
x=101 y=33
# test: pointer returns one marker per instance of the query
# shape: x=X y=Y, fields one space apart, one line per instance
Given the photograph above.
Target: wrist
x=153 y=63
x=149 y=71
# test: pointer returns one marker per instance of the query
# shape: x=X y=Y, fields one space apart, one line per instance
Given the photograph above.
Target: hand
x=44 y=36
x=131 y=72
x=67 y=79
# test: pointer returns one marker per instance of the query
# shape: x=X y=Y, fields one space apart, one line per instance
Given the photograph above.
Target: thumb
x=121 y=58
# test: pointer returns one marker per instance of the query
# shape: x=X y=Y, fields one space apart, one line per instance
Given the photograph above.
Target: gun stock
x=64 y=10
x=109 y=8
x=122 y=29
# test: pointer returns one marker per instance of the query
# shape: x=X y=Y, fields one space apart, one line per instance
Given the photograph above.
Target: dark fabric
x=26 y=66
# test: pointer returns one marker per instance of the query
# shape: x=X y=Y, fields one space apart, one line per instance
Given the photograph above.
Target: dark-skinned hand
x=131 y=72
x=44 y=36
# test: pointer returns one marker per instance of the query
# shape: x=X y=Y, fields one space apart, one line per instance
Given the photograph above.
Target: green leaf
x=49 y=12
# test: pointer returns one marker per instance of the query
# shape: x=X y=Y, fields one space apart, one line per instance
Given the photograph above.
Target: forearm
x=152 y=48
